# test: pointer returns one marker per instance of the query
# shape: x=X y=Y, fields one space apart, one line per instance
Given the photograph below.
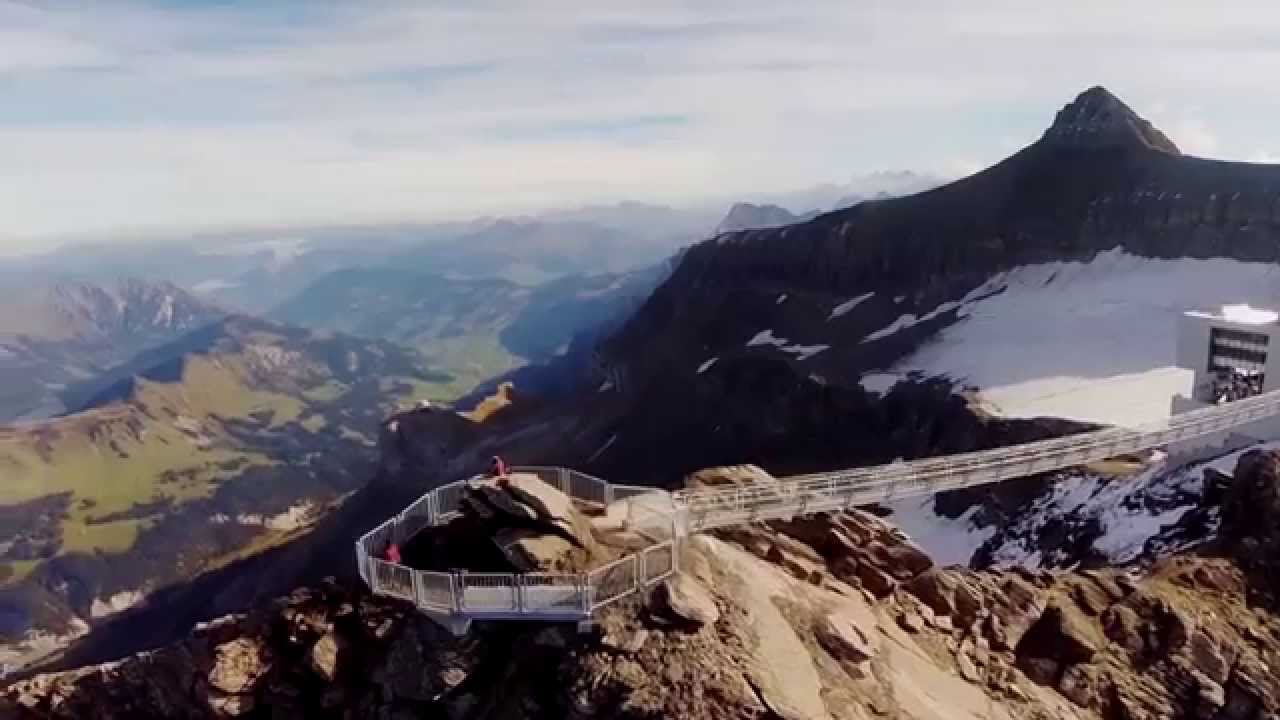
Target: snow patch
x=119 y=602
x=949 y=541
x=1092 y=341
x=802 y=352
x=879 y=382
x=707 y=365
x=1248 y=315
x=844 y=307
x=962 y=305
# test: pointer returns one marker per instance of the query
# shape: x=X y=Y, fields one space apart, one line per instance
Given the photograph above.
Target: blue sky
x=137 y=117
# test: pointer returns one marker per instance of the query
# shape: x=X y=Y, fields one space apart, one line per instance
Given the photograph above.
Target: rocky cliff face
x=832 y=616
x=834 y=290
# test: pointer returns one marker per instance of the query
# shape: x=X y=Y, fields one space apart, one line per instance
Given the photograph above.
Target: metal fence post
x=584 y=593
x=518 y=593
x=460 y=590
x=562 y=476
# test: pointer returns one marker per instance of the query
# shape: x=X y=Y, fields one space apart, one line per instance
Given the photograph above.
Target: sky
x=125 y=118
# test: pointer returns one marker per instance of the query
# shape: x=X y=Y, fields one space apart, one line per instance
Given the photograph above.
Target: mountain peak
x=1096 y=118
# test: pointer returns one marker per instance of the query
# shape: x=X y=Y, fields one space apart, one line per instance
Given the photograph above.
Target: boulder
x=1063 y=634
x=936 y=587
x=238 y=665
x=911 y=622
x=878 y=582
x=845 y=638
x=323 y=658
x=1082 y=684
x=968 y=670
x=1123 y=627
x=534 y=551
x=231 y=706
x=686 y=598
x=1207 y=657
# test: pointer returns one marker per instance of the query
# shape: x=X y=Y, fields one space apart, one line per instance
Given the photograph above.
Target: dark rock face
x=1096 y=118
x=1100 y=178
x=1251 y=515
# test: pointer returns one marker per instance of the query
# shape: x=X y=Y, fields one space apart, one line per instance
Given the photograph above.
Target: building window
x=1237 y=364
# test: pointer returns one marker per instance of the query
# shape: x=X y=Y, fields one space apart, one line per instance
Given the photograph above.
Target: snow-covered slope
x=1088 y=340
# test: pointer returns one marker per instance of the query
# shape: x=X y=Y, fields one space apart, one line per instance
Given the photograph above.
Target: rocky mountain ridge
x=57 y=335
x=831 y=616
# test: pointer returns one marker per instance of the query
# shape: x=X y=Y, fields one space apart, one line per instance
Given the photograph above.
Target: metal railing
x=707 y=508
x=547 y=596
x=576 y=596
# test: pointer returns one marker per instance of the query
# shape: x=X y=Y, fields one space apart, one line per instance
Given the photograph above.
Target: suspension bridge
x=457 y=598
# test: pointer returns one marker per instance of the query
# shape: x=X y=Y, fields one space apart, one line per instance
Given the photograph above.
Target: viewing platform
x=456 y=598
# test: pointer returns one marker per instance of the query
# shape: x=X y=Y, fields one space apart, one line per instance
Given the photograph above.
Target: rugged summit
x=854 y=290
x=1096 y=118
x=745 y=215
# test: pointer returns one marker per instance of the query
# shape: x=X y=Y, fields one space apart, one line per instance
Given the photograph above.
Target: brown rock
x=231 y=705
x=936 y=587
x=1107 y=582
x=1081 y=684
x=627 y=641
x=530 y=550
x=1040 y=670
x=1020 y=605
x=1252 y=689
x=1062 y=633
x=238 y=665
x=875 y=580
x=323 y=658
x=969 y=602
x=842 y=636
x=1089 y=596
x=910 y=622
x=968 y=670
x=1207 y=657
x=1123 y=627
x=686 y=598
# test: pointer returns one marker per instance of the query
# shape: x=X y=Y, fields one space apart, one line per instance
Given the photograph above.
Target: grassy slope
x=169 y=445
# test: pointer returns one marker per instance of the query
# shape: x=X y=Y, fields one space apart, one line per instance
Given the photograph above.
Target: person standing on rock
x=498 y=469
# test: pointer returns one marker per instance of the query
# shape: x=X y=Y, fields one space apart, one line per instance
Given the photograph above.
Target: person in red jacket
x=498 y=469
x=393 y=554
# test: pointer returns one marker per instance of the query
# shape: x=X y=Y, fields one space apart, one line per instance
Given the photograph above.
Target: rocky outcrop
x=763 y=621
x=744 y=215
x=545 y=531
x=1100 y=178
x=1251 y=516
x=1096 y=118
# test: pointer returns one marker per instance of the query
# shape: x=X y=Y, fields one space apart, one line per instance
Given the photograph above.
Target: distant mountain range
x=474 y=329
x=53 y=337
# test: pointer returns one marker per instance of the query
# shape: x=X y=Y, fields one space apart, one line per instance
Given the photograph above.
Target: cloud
x=143 y=116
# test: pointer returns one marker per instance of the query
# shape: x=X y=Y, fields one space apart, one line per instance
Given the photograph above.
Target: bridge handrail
x=573 y=595
x=566 y=596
